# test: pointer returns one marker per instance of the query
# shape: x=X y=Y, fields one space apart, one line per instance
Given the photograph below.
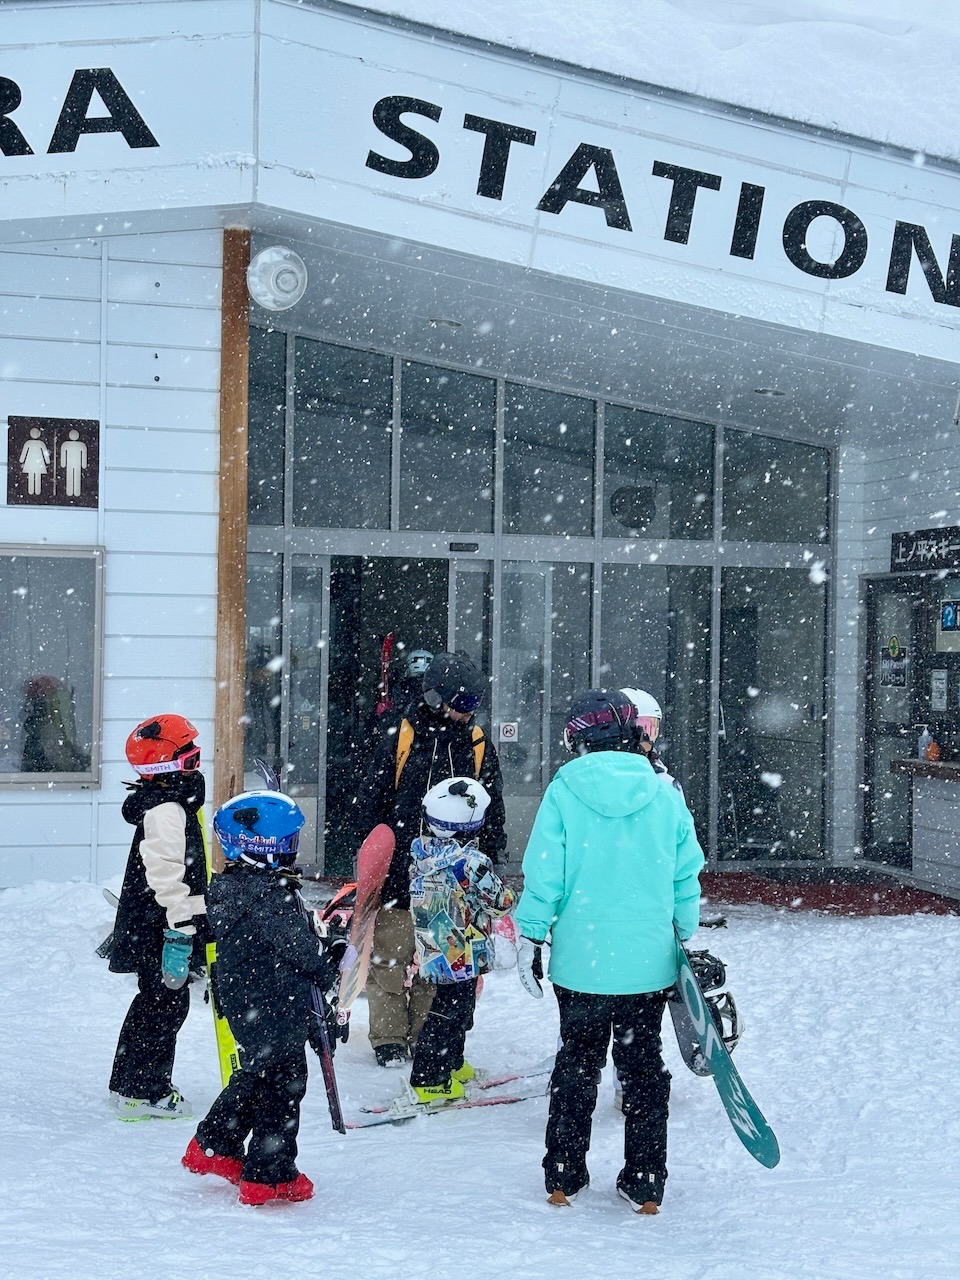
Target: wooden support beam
x=232 y=537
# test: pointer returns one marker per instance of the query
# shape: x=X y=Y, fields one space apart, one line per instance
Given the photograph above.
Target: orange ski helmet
x=163 y=744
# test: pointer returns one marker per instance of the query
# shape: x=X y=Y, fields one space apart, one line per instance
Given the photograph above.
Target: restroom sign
x=53 y=462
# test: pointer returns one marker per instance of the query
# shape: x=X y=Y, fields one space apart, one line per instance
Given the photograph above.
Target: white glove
x=530 y=966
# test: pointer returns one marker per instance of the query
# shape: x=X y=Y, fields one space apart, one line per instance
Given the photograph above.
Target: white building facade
x=603 y=385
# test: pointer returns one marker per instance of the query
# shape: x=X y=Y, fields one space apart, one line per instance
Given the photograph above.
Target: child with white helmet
x=455 y=896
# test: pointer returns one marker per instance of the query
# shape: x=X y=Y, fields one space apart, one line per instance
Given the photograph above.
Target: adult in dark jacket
x=267 y=958
x=436 y=739
x=161 y=921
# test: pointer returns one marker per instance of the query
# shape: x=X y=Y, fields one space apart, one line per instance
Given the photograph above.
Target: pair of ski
x=519 y=1086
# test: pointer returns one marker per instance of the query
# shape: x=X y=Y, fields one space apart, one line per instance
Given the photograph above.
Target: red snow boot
x=199 y=1161
x=301 y=1188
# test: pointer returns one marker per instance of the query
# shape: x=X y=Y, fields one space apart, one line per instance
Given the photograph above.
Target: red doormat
x=838 y=897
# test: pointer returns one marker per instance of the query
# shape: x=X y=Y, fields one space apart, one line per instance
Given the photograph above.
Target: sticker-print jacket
x=455 y=896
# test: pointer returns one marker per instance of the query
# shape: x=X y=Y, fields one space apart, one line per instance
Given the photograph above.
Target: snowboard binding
x=711 y=975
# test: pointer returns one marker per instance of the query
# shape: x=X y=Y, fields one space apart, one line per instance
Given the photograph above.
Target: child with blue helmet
x=267 y=959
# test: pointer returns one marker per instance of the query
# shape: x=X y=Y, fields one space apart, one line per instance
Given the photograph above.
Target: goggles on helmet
x=649 y=726
x=465 y=703
x=185 y=763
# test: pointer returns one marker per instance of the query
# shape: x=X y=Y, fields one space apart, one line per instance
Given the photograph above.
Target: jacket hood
x=612 y=783
x=239 y=890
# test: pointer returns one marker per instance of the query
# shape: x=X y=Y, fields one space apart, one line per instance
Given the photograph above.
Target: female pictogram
x=34 y=460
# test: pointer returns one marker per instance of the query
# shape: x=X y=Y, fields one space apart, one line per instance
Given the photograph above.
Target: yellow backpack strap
x=404 y=743
x=479 y=746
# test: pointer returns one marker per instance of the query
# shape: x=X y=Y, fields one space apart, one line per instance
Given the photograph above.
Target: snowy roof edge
x=679 y=96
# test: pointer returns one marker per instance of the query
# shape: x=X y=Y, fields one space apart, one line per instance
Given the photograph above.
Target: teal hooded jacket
x=612 y=863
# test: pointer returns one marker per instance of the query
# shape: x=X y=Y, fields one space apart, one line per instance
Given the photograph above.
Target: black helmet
x=453 y=680
x=599 y=720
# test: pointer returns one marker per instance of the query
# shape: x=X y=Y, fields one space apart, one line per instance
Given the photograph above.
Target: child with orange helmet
x=161 y=919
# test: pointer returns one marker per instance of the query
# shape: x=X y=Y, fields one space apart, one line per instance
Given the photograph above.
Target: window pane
x=266 y=420
x=47 y=664
x=656 y=636
x=772 y=751
x=774 y=490
x=544 y=662
x=342 y=427
x=264 y=594
x=306 y=641
x=446 y=450
x=657 y=476
x=548 y=463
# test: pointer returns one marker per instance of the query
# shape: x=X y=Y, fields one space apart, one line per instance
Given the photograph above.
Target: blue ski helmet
x=261 y=828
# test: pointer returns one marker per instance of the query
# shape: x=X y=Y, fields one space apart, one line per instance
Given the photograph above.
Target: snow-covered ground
x=849 y=1048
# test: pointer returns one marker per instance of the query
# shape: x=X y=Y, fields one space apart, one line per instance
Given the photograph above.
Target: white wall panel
x=168 y=572
x=47 y=318
x=30 y=360
x=160 y=406
x=140 y=490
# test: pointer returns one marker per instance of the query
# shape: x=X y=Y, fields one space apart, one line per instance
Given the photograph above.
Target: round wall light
x=277 y=278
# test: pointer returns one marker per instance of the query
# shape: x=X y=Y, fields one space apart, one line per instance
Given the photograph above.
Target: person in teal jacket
x=611 y=866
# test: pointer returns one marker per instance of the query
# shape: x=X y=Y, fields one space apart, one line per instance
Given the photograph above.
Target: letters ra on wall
x=53 y=462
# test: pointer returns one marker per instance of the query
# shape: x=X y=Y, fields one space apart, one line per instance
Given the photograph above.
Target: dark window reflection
x=656 y=636
x=548 y=462
x=264 y=665
x=47 y=664
x=657 y=476
x=446 y=450
x=267 y=392
x=342 y=428
x=774 y=490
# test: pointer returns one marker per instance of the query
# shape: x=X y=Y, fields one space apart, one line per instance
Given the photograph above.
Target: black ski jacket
x=178 y=871
x=267 y=957
x=442 y=748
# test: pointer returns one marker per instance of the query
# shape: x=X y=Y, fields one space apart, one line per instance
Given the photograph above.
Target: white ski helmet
x=456 y=804
x=649 y=712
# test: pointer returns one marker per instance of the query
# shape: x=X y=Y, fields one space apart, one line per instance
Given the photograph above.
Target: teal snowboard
x=743 y=1113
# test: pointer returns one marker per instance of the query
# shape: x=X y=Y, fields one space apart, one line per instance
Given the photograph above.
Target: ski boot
x=199 y=1161
x=300 y=1188
x=173 y=1107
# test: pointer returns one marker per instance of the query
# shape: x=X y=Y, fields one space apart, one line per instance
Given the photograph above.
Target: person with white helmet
x=455 y=896
x=646 y=731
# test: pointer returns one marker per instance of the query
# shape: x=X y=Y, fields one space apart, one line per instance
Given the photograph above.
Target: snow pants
x=586 y=1023
x=143 y=1063
x=397 y=1011
x=440 y=1046
x=265 y=1105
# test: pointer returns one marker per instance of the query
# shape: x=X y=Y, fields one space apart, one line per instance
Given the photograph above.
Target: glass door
x=772 y=743
x=894 y=613
x=544 y=660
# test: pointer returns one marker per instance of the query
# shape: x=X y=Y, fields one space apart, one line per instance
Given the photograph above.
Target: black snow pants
x=440 y=1046
x=586 y=1022
x=143 y=1063
x=265 y=1105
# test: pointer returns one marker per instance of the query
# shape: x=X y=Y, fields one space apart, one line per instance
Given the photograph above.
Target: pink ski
x=373 y=862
